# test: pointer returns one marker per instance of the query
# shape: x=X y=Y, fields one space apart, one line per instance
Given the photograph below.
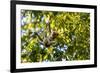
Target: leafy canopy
x=72 y=43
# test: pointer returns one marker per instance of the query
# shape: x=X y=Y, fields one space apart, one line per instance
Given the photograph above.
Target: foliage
x=72 y=43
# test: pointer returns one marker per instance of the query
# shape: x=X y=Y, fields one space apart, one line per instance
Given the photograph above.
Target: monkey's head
x=54 y=34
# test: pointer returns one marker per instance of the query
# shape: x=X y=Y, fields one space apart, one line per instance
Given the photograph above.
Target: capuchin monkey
x=48 y=40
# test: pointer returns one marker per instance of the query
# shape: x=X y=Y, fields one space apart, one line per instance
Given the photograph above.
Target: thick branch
x=38 y=36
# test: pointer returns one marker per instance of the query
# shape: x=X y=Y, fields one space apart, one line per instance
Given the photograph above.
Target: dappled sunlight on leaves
x=71 y=43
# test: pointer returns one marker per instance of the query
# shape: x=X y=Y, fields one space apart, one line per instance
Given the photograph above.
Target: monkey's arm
x=49 y=27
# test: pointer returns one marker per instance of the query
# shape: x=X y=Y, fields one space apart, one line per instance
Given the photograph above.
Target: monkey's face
x=54 y=34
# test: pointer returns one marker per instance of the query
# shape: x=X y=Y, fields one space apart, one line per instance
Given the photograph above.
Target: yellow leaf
x=45 y=57
x=52 y=24
x=50 y=50
x=29 y=26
